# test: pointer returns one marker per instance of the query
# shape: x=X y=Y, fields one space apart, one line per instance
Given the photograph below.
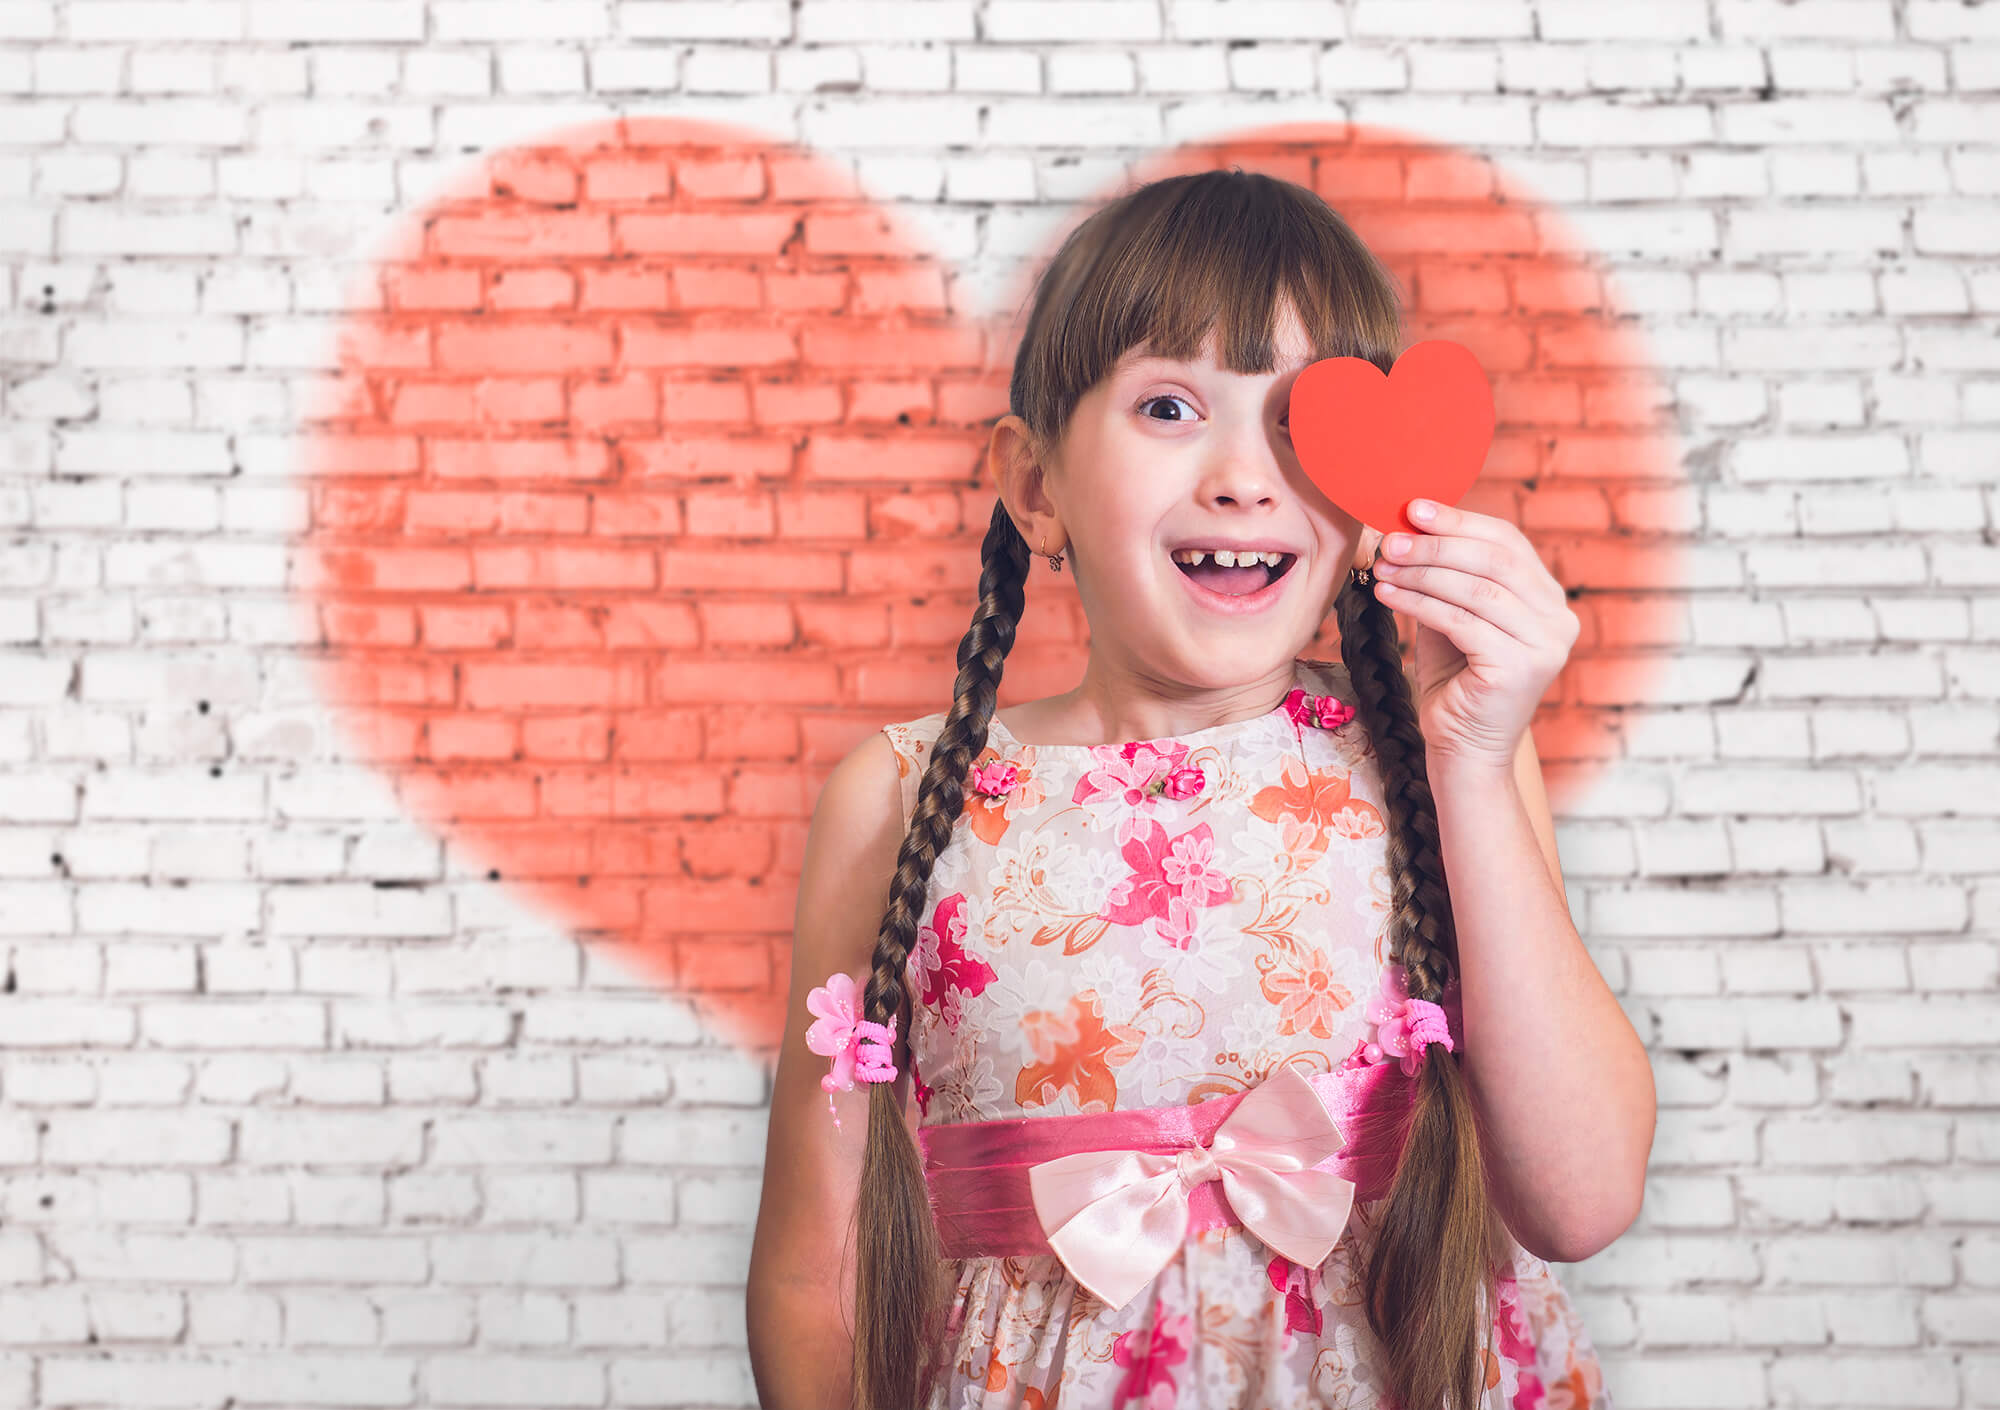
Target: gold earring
x=1055 y=559
x=1364 y=577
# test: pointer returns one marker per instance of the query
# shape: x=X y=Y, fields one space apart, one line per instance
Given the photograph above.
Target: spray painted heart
x=1372 y=443
x=650 y=483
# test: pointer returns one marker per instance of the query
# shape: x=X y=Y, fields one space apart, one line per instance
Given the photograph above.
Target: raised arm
x=800 y=1297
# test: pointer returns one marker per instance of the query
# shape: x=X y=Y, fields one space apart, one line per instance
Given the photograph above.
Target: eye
x=1166 y=396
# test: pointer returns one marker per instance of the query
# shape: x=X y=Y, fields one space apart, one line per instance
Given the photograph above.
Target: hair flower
x=997 y=779
x=859 y=1048
x=1403 y=1025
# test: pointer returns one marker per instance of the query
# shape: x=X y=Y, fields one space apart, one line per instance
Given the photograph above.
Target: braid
x=900 y=1287
x=1421 y=934
x=1427 y=1281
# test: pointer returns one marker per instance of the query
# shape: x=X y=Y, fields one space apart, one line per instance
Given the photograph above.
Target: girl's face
x=1162 y=458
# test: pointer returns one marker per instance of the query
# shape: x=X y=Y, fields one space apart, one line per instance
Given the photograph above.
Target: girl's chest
x=1095 y=929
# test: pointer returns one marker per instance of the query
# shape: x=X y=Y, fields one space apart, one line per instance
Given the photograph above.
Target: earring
x=1055 y=559
x=1365 y=577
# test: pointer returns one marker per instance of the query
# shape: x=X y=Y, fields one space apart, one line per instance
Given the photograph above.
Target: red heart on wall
x=1373 y=443
x=650 y=483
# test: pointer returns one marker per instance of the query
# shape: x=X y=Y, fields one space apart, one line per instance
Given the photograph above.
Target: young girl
x=1171 y=1096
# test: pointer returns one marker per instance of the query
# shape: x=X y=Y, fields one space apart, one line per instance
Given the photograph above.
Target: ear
x=1021 y=480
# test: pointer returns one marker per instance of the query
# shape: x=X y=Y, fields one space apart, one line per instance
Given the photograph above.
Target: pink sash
x=977 y=1171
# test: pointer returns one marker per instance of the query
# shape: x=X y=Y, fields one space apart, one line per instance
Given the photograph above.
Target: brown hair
x=1156 y=267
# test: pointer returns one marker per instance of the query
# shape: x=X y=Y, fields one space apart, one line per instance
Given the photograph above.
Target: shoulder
x=908 y=745
x=851 y=846
x=861 y=814
x=910 y=740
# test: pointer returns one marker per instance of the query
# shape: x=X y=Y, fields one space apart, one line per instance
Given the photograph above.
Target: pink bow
x=1116 y=1217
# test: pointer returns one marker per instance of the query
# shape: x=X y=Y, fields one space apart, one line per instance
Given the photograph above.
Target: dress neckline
x=1207 y=735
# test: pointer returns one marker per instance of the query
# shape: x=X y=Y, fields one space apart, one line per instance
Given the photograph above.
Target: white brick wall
x=297 y=1108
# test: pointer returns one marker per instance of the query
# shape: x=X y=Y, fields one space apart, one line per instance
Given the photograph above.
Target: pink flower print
x=1150 y=853
x=1176 y=928
x=1510 y=1320
x=1130 y=775
x=923 y=1093
x=995 y=780
x=1297 y=1282
x=1147 y=1353
x=948 y=966
x=1188 y=868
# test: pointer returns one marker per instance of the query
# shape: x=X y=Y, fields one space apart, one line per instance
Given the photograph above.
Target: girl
x=1174 y=1096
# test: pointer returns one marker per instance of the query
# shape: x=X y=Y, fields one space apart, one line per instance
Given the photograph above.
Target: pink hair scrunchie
x=860 y=1048
x=1428 y=1025
x=1403 y=1026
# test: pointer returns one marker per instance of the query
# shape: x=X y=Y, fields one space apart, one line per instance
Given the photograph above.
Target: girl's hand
x=1494 y=627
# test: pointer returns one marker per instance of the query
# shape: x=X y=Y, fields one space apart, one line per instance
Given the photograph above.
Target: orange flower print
x=1324 y=801
x=1305 y=991
x=1076 y=1051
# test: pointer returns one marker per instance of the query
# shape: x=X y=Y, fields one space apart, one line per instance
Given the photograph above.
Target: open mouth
x=1236 y=581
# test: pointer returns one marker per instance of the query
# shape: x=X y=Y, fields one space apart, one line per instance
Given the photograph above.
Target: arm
x=1562 y=1082
x=799 y=1299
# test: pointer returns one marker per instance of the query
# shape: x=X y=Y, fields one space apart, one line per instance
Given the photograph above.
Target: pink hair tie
x=1428 y=1025
x=1403 y=1026
x=859 y=1047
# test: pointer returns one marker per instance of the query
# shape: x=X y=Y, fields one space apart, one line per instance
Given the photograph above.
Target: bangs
x=1174 y=264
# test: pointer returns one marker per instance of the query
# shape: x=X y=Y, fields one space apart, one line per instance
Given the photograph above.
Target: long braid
x=900 y=1284
x=1427 y=1277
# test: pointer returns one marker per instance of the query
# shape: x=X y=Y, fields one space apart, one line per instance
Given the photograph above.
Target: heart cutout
x=1372 y=443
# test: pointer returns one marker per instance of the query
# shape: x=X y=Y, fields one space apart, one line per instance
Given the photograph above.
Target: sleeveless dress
x=1089 y=943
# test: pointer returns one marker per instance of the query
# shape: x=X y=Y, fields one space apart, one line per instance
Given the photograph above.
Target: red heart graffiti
x=650 y=483
x=1372 y=443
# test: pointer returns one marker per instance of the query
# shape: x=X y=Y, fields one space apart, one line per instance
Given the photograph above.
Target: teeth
x=1227 y=557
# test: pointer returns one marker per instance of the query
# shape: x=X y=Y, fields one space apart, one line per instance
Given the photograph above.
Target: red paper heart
x=1373 y=443
x=651 y=483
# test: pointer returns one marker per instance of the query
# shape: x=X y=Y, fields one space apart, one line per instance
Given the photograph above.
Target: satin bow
x=1116 y=1217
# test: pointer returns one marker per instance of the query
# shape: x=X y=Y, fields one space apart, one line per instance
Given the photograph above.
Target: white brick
x=1282 y=20
x=1837 y=1380
x=1431 y=70
x=1588 y=123
x=1342 y=69
x=1022 y=123
x=889 y=122
x=978 y=70
x=1091 y=71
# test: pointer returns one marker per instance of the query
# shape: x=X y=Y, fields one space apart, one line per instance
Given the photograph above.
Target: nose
x=1245 y=470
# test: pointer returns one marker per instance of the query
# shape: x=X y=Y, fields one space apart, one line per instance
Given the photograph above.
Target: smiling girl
x=1225 y=1040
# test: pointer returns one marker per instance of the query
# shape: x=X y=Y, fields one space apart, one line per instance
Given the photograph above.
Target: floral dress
x=1162 y=922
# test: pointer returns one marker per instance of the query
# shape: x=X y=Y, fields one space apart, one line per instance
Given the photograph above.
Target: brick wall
x=415 y=682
